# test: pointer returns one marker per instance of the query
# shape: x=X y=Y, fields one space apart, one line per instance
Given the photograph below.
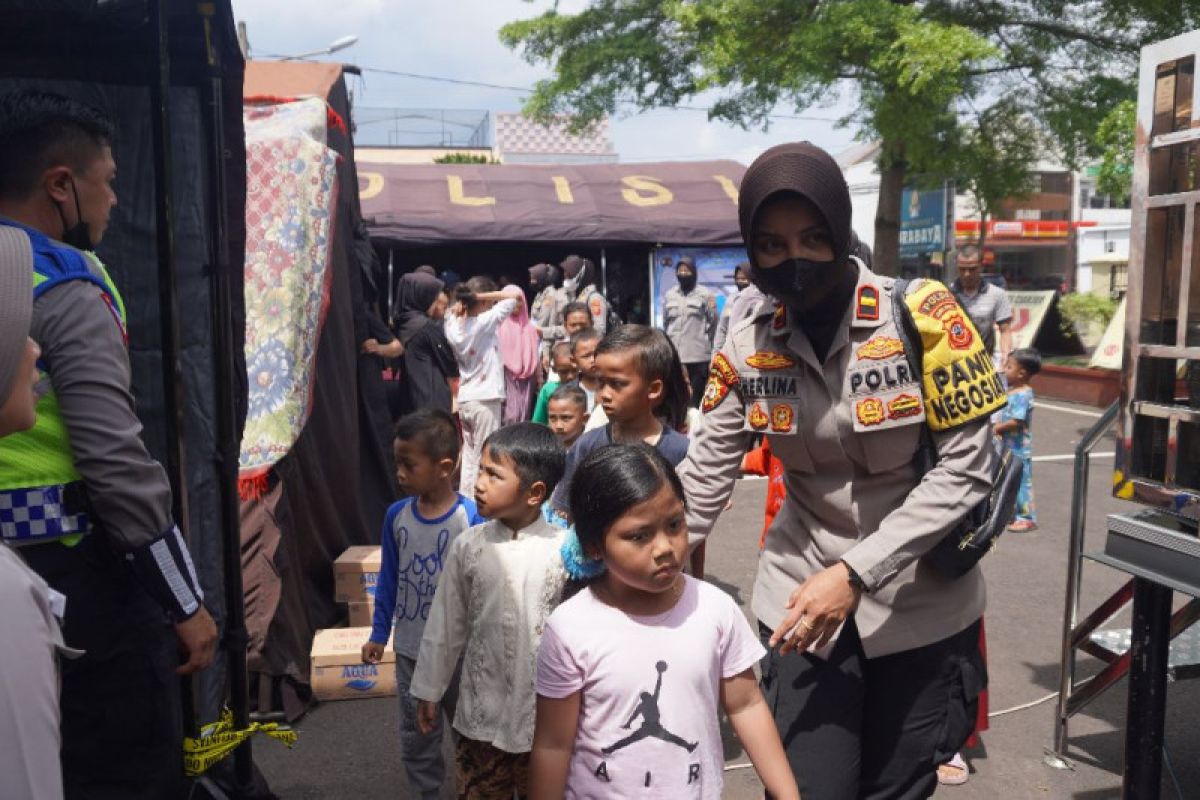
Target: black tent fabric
x=107 y=54
x=332 y=488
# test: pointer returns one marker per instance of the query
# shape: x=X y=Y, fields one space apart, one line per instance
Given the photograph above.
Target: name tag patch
x=766 y=386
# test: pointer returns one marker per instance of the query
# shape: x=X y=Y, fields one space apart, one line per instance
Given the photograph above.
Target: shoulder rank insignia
x=779 y=318
x=721 y=378
x=959 y=379
x=765 y=359
x=596 y=305
x=868 y=302
x=881 y=347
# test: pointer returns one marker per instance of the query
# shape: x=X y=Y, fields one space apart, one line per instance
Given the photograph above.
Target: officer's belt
x=44 y=513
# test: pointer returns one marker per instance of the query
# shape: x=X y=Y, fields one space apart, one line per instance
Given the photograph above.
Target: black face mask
x=790 y=281
x=77 y=235
x=686 y=282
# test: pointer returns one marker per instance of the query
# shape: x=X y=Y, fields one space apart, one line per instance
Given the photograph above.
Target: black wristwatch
x=855 y=580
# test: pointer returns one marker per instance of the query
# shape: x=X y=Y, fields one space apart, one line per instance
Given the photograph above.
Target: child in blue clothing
x=417 y=533
x=1014 y=426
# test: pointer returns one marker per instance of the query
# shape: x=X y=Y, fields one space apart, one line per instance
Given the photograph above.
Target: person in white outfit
x=471 y=330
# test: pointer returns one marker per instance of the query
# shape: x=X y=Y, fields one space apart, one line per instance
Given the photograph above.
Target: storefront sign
x=922 y=221
x=1108 y=352
x=1029 y=311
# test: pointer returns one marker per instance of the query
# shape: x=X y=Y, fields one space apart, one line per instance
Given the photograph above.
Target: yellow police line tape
x=219 y=739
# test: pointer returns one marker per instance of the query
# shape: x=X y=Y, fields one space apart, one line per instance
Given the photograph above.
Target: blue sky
x=458 y=39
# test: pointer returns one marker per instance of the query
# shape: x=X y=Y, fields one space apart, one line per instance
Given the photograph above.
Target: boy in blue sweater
x=417 y=533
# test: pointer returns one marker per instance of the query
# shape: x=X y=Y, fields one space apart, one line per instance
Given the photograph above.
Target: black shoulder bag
x=979 y=530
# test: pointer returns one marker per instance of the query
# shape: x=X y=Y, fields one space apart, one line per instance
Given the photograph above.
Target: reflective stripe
x=39 y=514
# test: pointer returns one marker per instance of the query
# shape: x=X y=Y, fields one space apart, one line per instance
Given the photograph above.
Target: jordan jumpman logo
x=647 y=709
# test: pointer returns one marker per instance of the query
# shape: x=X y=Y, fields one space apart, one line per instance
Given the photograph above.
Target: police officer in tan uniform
x=873 y=671
x=690 y=321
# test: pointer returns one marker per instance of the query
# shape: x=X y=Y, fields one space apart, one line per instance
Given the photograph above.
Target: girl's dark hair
x=656 y=359
x=610 y=481
x=1028 y=358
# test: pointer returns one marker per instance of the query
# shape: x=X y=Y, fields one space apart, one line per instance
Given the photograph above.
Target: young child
x=583 y=351
x=500 y=582
x=417 y=533
x=1015 y=428
x=563 y=365
x=576 y=318
x=642 y=389
x=632 y=669
x=568 y=413
x=471 y=330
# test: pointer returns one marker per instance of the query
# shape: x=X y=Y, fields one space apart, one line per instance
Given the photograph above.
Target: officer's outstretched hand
x=197 y=641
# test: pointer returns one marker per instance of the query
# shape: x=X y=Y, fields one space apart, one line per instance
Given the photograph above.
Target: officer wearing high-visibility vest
x=80 y=497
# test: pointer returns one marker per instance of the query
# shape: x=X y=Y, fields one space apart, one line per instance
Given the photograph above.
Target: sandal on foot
x=1023 y=525
x=954 y=772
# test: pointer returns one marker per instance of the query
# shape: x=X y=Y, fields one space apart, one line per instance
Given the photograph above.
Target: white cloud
x=459 y=39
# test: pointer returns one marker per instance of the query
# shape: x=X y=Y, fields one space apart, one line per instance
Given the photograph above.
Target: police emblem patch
x=779 y=319
x=958 y=332
x=869 y=411
x=757 y=417
x=723 y=369
x=767 y=360
x=868 y=302
x=881 y=347
x=906 y=405
x=721 y=378
x=782 y=418
x=938 y=304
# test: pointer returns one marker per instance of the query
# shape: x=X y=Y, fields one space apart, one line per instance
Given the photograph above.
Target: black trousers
x=121 y=718
x=697 y=372
x=874 y=728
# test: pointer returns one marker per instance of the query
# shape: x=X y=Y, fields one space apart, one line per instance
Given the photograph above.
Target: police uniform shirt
x=690 y=321
x=847 y=432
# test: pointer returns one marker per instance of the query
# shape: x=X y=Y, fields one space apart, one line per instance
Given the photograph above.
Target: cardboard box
x=338 y=672
x=361 y=613
x=355 y=574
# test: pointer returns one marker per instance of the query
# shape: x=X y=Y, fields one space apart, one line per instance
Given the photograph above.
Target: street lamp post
x=338 y=44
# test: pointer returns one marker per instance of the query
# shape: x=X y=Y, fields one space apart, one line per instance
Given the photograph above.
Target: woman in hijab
x=579 y=283
x=873 y=668
x=428 y=363
x=520 y=349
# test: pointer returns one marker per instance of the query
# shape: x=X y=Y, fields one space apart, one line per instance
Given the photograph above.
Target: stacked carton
x=338 y=672
x=355 y=574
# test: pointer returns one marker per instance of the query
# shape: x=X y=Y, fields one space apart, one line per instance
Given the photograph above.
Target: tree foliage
x=918 y=69
x=1115 y=139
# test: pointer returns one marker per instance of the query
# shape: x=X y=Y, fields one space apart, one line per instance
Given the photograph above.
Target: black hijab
x=417 y=292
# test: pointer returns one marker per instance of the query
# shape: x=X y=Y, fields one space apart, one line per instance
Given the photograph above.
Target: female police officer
x=873 y=669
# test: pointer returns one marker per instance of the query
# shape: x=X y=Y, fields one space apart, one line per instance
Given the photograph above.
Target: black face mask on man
x=77 y=235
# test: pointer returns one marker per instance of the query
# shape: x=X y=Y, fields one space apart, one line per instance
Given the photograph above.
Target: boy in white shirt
x=471 y=330
x=499 y=583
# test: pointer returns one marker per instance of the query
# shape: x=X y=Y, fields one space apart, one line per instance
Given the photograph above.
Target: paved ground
x=349 y=749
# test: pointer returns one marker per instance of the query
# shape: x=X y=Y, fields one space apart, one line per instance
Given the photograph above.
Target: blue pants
x=1025 y=508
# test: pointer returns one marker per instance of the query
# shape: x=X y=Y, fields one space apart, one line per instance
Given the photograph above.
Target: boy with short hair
x=567 y=414
x=417 y=532
x=583 y=350
x=1014 y=427
x=563 y=365
x=501 y=581
x=576 y=317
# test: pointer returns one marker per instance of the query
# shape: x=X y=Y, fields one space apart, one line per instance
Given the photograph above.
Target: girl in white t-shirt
x=631 y=669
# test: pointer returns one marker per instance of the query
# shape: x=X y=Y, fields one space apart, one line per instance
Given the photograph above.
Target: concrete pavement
x=350 y=749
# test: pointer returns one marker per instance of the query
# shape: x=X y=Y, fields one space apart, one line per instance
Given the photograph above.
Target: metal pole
x=1074 y=582
x=225 y=271
x=1147 y=704
x=604 y=273
x=168 y=306
x=653 y=306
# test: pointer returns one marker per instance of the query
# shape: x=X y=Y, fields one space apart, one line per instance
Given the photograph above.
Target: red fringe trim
x=254 y=487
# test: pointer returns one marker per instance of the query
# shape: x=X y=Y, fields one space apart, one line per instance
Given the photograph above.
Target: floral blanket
x=291 y=193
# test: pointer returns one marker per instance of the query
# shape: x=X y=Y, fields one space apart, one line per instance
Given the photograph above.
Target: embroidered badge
x=779 y=319
x=906 y=405
x=869 y=411
x=938 y=304
x=764 y=359
x=757 y=417
x=782 y=418
x=881 y=347
x=868 y=302
x=721 y=378
x=596 y=305
x=958 y=332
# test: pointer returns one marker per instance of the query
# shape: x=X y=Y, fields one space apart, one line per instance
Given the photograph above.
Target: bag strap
x=914 y=351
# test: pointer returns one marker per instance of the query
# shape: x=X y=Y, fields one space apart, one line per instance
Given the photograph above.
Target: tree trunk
x=892 y=171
